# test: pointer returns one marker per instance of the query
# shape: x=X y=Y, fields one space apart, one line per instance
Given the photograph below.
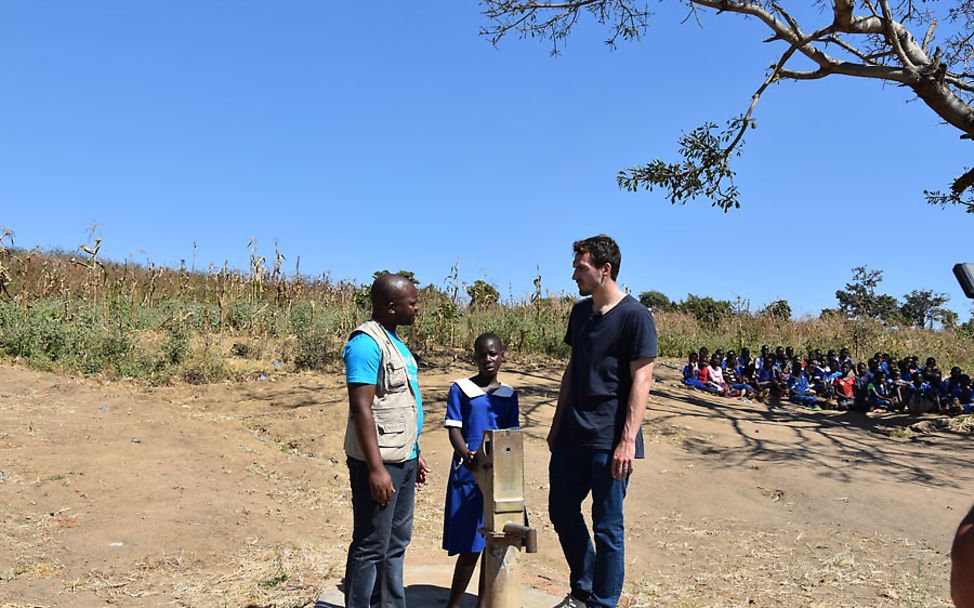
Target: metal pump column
x=499 y=471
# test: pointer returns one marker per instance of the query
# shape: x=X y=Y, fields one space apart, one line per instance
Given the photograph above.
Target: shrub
x=656 y=300
x=482 y=294
x=706 y=309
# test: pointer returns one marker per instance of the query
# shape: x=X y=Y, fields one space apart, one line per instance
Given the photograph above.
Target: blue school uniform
x=799 y=390
x=965 y=398
x=881 y=396
x=766 y=374
x=473 y=411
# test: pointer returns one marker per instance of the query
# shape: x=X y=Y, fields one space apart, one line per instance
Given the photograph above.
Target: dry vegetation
x=81 y=314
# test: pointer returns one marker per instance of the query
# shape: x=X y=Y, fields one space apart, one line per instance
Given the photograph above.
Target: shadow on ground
x=416 y=595
x=847 y=435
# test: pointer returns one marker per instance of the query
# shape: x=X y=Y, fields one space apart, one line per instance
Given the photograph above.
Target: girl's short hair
x=485 y=338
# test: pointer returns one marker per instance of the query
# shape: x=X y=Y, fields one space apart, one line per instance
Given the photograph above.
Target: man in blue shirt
x=382 y=444
x=596 y=433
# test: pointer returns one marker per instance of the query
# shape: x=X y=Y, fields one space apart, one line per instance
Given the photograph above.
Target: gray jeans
x=380 y=535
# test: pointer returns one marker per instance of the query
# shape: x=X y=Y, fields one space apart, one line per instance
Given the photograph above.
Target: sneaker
x=570 y=601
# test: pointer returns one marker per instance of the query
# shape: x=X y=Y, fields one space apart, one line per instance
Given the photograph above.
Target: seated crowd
x=831 y=380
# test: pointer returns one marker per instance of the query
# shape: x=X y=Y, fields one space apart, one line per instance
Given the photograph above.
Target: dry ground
x=236 y=495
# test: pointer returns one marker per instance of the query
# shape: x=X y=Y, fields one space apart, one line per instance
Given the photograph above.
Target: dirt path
x=236 y=494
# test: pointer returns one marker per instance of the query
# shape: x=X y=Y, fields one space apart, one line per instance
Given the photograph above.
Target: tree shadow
x=833 y=444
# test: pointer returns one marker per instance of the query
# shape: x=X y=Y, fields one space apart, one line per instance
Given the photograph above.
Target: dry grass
x=275 y=576
x=773 y=568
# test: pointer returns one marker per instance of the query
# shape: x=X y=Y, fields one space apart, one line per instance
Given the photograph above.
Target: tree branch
x=876 y=25
x=746 y=120
x=893 y=36
x=963 y=182
x=928 y=36
x=845 y=45
x=783 y=31
x=843 y=13
x=959 y=83
x=795 y=75
x=791 y=20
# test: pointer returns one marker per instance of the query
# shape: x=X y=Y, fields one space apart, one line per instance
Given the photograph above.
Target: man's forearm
x=360 y=406
x=365 y=431
x=638 y=396
x=563 y=396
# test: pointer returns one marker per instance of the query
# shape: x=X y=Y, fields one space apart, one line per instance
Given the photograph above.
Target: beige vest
x=394 y=405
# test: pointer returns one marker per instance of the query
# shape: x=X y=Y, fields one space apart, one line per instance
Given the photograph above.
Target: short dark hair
x=484 y=339
x=603 y=250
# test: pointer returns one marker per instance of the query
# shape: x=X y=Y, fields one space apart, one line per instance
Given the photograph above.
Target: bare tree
x=874 y=39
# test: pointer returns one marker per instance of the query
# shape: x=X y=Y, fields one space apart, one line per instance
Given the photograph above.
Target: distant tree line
x=859 y=299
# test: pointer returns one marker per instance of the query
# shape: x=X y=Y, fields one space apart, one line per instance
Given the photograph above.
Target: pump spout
x=523 y=536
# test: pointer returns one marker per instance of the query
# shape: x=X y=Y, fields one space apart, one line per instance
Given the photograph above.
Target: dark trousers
x=373 y=572
x=596 y=574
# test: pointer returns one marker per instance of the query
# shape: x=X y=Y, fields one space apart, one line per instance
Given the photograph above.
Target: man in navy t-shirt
x=596 y=433
x=962 y=569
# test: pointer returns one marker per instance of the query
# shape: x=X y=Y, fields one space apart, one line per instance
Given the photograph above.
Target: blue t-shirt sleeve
x=644 y=342
x=454 y=417
x=514 y=415
x=362 y=359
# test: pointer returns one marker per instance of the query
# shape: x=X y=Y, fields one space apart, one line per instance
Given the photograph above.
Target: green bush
x=314 y=351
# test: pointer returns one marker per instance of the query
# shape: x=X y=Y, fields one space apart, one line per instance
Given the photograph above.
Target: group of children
x=831 y=380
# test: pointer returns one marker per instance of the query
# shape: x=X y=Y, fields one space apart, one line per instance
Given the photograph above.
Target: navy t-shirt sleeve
x=568 y=332
x=644 y=340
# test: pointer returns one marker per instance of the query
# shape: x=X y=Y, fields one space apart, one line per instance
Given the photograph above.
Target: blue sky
x=391 y=135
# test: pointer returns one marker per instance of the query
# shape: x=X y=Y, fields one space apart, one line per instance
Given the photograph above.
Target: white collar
x=472 y=391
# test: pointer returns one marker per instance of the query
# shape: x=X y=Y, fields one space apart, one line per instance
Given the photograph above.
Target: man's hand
x=623 y=458
x=625 y=452
x=422 y=473
x=380 y=486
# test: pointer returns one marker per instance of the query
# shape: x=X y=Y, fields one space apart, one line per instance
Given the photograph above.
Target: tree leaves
x=704 y=171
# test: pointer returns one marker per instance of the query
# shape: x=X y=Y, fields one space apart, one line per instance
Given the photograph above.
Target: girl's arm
x=460 y=446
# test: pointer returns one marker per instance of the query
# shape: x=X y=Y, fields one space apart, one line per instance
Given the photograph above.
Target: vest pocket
x=390 y=427
x=396 y=377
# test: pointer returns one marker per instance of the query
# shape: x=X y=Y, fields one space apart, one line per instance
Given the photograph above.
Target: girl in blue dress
x=474 y=405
